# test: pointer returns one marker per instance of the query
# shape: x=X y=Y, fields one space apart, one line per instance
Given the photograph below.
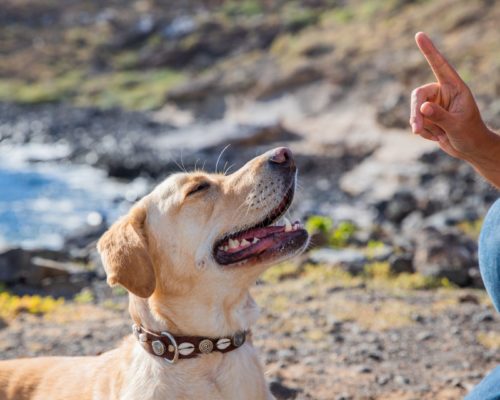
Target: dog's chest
x=237 y=376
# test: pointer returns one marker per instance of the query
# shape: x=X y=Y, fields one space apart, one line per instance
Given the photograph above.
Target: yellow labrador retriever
x=187 y=253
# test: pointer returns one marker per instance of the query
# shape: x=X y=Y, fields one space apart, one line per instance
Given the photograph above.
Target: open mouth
x=265 y=240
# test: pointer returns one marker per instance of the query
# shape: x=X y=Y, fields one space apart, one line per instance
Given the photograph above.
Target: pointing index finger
x=442 y=69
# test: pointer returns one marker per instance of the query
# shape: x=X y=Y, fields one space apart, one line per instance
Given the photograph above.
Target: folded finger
x=433 y=129
x=418 y=97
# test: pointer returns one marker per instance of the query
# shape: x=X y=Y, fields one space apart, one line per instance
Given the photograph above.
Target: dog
x=188 y=254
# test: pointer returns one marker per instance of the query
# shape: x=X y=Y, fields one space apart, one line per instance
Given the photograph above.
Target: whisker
x=178 y=165
x=182 y=163
x=227 y=170
x=220 y=155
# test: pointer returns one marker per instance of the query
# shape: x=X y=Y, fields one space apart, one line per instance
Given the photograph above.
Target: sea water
x=41 y=203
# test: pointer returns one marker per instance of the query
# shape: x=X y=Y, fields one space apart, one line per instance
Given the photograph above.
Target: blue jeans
x=489 y=263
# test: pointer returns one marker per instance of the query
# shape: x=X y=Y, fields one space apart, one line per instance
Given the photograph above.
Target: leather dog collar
x=172 y=348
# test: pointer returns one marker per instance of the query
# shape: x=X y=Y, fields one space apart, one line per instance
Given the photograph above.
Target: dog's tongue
x=260 y=232
x=273 y=236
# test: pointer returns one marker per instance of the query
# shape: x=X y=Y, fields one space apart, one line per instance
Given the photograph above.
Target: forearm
x=488 y=164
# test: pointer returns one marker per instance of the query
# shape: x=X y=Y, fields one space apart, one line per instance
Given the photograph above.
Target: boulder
x=282 y=392
x=31 y=272
x=15 y=264
x=446 y=254
x=349 y=259
x=393 y=113
x=400 y=263
x=402 y=203
x=280 y=82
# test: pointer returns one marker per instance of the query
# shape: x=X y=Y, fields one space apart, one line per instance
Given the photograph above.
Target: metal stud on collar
x=239 y=339
x=158 y=347
x=174 y=344
x=136 y=331
x=206 y=346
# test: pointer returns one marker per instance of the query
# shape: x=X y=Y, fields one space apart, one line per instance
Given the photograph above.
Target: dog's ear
x=124 y=252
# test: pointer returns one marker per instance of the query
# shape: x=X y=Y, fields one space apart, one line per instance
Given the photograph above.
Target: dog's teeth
x=221 y=247
x=296 y=226
x=288 y=225
x=245 y=243
x=255 y=240
x=234 y=244
x=226 y=248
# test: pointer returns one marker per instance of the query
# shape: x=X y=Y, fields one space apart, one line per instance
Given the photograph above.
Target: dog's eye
x=198 y=188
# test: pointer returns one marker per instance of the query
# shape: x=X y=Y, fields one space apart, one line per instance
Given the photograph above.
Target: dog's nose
x=282 y=156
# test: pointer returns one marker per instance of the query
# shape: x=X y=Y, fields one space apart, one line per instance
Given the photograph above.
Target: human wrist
x=487 y=154
x=488 y=163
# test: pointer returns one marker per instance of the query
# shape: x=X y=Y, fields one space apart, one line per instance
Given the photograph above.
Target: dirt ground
x=321 y=336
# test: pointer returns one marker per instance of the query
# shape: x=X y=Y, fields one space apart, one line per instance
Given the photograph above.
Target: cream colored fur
x=161 y=252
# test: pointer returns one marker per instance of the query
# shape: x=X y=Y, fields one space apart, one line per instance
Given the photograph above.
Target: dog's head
x=205 y=236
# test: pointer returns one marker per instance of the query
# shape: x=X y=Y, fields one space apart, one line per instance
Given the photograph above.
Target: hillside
x=100 y=101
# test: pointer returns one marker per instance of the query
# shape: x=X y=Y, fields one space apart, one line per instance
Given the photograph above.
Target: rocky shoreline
x=425 y=211
x=388 y=302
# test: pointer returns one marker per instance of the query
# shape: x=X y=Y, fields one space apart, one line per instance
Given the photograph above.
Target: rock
x=195 y=90
x=484 y=316
x=383 y=380
x=399 y=206
x=469 y=298
x=139 y=31
x=447 y=254
x=424 y=336
x=376 y=356
x=343 y=396
x=401 y=380
x=364 y=369
x=451 y=217
x=381 y=253
x=401 y=263
x=15 y=264
x=179 y=27
x=350 y=259
x=393 y=112
x=30 y=272
x=277 y=83
x=200 y=45
x=282 y=392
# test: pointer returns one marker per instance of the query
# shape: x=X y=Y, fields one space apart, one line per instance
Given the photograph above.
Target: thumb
x=437 y=114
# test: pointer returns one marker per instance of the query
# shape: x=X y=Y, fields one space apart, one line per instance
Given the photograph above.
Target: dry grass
x=12 y=305
x=490 y=340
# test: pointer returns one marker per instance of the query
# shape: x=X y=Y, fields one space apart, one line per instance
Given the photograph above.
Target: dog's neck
x=215 y=318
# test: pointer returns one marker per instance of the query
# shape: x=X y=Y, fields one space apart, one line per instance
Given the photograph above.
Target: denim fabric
x=489 y=253
x=489 y=263
x=488 y=389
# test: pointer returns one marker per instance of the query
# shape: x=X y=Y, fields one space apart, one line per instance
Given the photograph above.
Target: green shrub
x=338 y=235
x=342 y=234
x=84 y=297
x=319 y=223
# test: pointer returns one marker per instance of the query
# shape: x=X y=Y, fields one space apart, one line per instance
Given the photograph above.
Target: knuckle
x=418 y=91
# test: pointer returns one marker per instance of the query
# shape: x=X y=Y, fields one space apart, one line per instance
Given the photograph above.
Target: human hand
x=446 y=112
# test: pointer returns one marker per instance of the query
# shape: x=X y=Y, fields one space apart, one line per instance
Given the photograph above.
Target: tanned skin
x=446 y=112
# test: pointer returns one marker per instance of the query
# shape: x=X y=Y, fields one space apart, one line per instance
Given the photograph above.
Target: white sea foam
x=61 y=197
